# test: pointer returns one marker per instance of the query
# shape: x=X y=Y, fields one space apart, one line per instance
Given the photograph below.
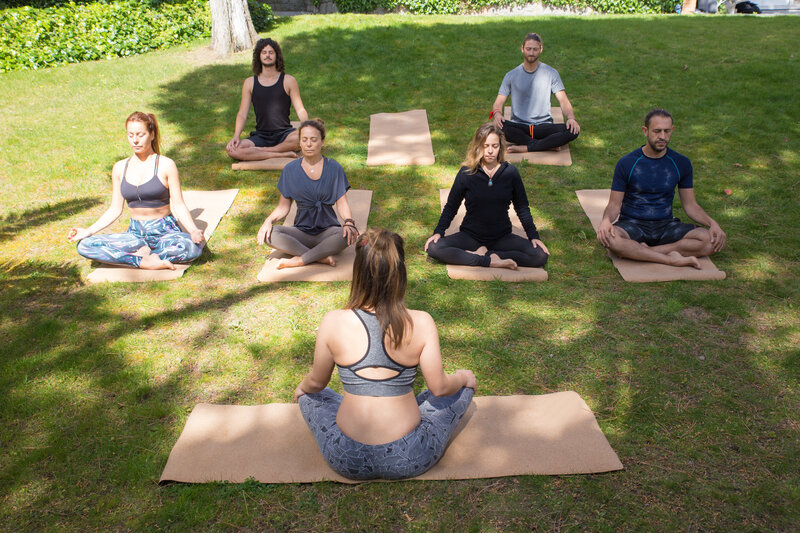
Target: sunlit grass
x=695 y=384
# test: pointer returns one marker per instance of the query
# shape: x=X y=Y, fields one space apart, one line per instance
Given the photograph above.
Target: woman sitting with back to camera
x=378 y=428
x=487 y=185
x=149 y=182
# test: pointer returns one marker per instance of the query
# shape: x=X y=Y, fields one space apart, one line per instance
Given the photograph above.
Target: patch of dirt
x=696 y=314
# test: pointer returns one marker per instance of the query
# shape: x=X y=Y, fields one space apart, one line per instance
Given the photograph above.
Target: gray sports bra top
x=376 y=356
x=151 y=193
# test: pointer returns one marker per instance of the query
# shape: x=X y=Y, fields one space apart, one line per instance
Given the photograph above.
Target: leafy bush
x=35 y=38
x=261 y=15
x=430 y=7
x=363 y=6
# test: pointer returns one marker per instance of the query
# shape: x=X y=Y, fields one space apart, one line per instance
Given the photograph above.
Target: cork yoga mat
x=400 y=139
x=594 y=202
x=359 y=201
x=207 y=209
x=499 y=436
x=561 y=158
x=489 y=273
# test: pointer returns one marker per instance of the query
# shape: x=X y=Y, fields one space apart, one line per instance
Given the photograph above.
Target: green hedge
x=261 y=15
x=36 y=38
x=430 y=7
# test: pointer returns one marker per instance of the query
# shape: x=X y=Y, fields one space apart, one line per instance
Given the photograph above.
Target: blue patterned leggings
x=408 y=456
x=163 y=236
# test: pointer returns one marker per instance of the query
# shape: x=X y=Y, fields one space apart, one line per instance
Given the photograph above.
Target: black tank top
x=271 y=105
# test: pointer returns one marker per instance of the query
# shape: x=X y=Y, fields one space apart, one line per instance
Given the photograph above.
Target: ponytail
x=149 y=120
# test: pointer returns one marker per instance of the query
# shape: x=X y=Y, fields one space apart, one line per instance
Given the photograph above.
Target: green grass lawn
x=694 y=384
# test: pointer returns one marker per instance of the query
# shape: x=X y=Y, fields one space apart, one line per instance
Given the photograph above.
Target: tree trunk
x=231 y=27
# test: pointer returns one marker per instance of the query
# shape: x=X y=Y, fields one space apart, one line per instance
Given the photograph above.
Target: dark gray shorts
x=655 y=232
x=269 y=138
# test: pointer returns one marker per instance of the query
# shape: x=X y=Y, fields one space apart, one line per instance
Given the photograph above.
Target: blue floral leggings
x=163 y=236
x=408 y=456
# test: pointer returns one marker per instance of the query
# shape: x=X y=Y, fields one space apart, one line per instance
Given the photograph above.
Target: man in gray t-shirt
x=530 y=86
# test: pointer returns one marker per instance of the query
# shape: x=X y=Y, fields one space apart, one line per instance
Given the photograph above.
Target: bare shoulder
x=422 y=319
x=119 y=166
x=166 y=162
x=289 y=81
x=335 y=319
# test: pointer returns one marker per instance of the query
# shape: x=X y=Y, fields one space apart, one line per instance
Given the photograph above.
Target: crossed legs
x=683 y=252
x=306 y=248
x=510 y=251
x=150 y=245
x=537 y=138
x=248 y=151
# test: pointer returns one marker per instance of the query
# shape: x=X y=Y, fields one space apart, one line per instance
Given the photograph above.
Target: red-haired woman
x=149 y=182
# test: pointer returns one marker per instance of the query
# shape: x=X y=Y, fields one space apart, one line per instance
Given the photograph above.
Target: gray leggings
x=310 y=248
x=408 y=456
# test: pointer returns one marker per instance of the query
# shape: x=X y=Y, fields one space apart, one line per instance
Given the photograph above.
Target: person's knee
x=293 y=141
x=193 y=251
x=434 y=249
x=84 y=247
x=539 y=258
x=234 y=153
x=704 y=236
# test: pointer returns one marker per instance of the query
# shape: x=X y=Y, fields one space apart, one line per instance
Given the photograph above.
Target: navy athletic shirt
x=649 y=184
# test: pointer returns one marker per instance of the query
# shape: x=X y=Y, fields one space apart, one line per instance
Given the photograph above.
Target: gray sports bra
x=151 y=193
x=376 y=356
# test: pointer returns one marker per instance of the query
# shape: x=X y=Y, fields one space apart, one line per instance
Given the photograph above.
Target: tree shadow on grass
x=11 y=225
x=345 y=75
x=78 y=410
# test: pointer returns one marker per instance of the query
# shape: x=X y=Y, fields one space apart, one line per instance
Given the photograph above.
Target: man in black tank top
x=271 y=92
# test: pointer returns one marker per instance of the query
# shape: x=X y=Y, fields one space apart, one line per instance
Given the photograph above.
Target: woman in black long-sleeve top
x=487 y=184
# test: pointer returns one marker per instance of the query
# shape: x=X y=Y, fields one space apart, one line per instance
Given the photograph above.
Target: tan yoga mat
x=489 y=273
x=399 y=139
x=594 y=202
x=551 y=434
x=207 y=209
x=561 y=158
x=274 y=163
x=359 y=201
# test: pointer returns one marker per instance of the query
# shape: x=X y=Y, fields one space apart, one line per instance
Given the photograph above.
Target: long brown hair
x=379 y=282
x=149 y=120
x=475 y=149
x=260 y=44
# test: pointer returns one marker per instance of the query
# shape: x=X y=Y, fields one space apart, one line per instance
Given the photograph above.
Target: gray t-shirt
x=530 y=93
x=315 y=198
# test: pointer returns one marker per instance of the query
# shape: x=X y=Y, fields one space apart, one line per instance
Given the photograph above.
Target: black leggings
x=545 y=136
x=453 y=250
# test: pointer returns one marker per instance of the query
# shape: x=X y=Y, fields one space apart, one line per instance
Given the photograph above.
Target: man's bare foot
x=480 y=251
x=144 y=251
x=290 y=263
x=556 y=149
x=676 y=259
x=495 y=261
x=327 y=261
x=153 y=262
x=516 y=149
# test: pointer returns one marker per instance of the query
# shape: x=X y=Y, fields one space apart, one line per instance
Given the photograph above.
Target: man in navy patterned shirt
x=641 y=204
